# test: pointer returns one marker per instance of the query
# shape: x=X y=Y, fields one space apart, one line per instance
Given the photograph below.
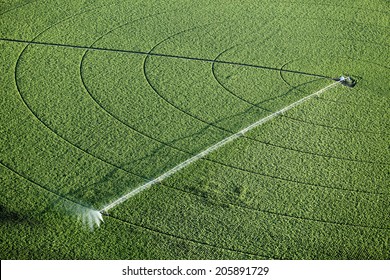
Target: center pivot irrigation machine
x=346 y=81
x=95 y=217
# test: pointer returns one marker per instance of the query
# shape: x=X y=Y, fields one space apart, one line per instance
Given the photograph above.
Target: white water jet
x=90 y=217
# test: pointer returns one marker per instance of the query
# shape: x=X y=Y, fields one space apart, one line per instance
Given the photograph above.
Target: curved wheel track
x=61 y=135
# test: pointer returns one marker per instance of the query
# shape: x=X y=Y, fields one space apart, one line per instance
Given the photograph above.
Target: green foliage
x=87 y=116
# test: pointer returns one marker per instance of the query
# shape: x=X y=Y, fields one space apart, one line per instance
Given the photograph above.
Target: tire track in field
x=286 y=215
x=55 y=24
x=63 y=138
x=145 y=178
x=238 y=96
x=319 y=97
x=112 y=114
x=42 y=186
x=198 y=195
x=229 y=131
x=173 y=56
x=224 y=164
x=87 y=152
x=118 y=167
x=177 y=168
x=184 y=151
x=356 y=103
x=338 y=102
x=77 y=147
x=296 y=181
x=45 y=124
x=67 y=141
x=41 y=33
x=124 y=221
x=291 y=118
x=141 y=226
x=160 y=232
x=281 y=71
x=215 y=161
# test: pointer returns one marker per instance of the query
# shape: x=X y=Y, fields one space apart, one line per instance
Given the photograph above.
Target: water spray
x=89 y=216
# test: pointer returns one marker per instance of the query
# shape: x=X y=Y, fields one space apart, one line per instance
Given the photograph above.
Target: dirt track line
x=212 y=148
x=283 y=215
x=41 y=186
x=163 y=55
x=189 y=240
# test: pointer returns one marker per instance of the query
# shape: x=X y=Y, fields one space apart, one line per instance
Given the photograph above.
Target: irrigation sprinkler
x=89 y=217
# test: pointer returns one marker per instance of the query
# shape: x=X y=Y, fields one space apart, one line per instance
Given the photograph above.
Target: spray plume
x=89 y=217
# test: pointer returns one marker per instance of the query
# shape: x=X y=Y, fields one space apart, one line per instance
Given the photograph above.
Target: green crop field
x=100 y=97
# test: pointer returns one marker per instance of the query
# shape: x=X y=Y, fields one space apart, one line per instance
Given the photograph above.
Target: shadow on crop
x=11 y=217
